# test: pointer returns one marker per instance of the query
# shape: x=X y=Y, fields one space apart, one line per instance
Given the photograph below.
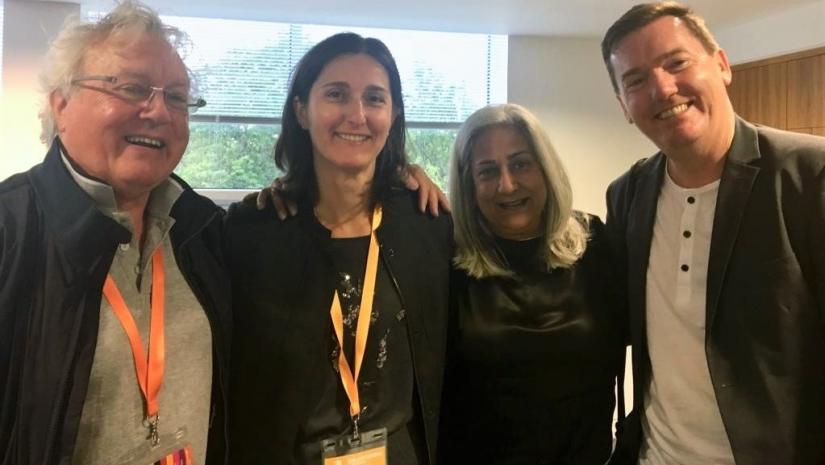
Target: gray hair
x=66 y=53
x=565 y=236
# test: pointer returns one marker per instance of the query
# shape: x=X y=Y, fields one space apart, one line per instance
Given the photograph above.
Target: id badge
x=369 y=449
x=179 y=457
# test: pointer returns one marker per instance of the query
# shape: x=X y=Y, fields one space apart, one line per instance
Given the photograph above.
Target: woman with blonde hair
x=536 y=340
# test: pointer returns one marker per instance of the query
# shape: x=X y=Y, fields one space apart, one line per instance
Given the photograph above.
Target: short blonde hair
x=66 y=53
x=565 y=236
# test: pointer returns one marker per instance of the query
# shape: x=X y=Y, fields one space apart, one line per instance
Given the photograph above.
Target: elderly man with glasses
x=114 y=304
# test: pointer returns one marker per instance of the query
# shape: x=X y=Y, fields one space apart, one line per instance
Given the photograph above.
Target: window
x=242 y=70
x=2 y=8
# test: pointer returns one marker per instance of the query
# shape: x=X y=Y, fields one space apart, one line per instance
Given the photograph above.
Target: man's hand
x=272 y=195
x=429 y=194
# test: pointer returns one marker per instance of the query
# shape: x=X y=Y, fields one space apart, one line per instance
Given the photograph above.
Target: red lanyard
x=362 y=327
x=149 y=374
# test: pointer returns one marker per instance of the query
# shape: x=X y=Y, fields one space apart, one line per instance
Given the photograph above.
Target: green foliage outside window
x=229 y=156
x=239 y=156
x=431 y=149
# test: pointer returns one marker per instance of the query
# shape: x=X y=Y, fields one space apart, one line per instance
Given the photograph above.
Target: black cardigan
x=283 y=288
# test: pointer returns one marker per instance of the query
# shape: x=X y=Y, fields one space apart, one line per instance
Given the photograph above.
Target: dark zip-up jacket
x=283 y=286
x=56 y=248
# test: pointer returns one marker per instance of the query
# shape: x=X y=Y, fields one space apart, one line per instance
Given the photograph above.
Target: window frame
x=492 y=80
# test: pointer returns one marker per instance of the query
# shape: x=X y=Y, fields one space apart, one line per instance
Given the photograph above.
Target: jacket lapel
x=641 y=217
x=735 y=187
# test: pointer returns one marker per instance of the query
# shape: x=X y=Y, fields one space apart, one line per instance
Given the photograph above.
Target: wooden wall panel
x=806 y=92
x=787 y=92
x=738 y=91
x=802 y=130
x=814 y=131
x=759 y=94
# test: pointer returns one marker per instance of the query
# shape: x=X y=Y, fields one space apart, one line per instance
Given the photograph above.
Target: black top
x=283 y=283
x=533 y=361
x=386 y=382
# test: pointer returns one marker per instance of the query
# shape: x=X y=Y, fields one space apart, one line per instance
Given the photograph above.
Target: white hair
x=66 y=53
x=565 y=235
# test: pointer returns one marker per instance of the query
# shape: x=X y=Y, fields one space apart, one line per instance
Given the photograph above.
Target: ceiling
x=519 y=17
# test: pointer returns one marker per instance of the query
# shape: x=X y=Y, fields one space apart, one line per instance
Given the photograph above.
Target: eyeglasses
x=136 y=92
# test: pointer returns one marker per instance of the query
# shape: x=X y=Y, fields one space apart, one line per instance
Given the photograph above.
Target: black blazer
x=283 y=288
x=765 y=330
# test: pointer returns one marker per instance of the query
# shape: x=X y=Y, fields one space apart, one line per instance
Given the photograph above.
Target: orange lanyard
x=149 y=374
x=362 y=327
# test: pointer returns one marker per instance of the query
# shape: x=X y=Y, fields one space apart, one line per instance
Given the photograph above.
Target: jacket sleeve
x=6 y=323
x=10 y=332
x=616 y=229
x=816 y=235
x=619 y=197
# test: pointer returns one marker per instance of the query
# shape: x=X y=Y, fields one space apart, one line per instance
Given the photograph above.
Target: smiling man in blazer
x=719 y=236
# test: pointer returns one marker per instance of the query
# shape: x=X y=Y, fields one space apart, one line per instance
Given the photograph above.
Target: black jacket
x=765 y=322
x=283 y=287
x=56 y=248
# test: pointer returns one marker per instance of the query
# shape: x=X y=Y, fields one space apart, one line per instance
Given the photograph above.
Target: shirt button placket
x=688 y=221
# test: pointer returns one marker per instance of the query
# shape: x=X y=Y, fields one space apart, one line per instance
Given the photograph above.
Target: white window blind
x=242 y=70
x=243 y=67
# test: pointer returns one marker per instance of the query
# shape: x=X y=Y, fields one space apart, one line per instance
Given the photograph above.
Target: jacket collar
x=82 y=230
x=160 y=203
x=191 y=212
x=78 y=227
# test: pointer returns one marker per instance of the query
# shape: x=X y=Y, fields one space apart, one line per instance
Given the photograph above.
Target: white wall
x=793 y=29
x=564 y=82
x=28 y=28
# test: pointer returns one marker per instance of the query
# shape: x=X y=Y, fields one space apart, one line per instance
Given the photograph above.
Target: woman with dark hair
x=536 y=337
x=340 y=311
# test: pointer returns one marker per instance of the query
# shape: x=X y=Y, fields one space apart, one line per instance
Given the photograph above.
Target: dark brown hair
x=293 y=151
x=643 y=14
